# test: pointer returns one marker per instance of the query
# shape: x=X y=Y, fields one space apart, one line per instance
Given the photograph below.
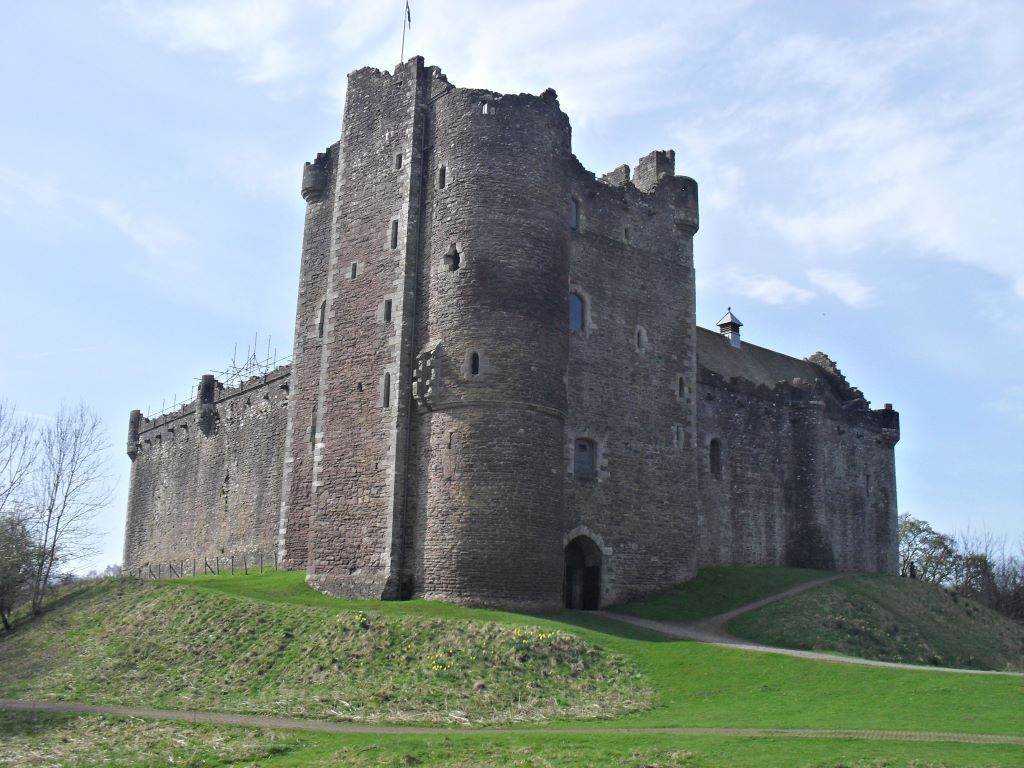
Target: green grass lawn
x=690 y=684
x=892 y=619
x=83 y=741
x=717 y=590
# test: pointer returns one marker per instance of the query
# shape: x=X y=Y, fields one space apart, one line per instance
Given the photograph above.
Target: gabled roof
x=749 y=361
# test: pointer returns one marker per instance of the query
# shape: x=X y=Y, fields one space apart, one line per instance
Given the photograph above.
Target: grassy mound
x=890 y=619
x=72 y=741
x=717 y=590
x=172 y=646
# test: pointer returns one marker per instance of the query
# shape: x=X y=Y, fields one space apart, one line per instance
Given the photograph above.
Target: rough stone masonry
x=499 y=395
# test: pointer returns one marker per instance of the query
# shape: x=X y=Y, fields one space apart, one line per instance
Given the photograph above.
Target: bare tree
x=17 y=456
x=70 y=487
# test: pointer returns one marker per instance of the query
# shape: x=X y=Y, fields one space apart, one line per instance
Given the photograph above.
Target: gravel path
x=291 y=723
x=712 y=630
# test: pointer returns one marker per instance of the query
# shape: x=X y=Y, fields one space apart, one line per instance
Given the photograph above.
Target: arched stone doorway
x=582 y=586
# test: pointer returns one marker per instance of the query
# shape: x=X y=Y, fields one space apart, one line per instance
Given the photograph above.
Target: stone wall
x=631 y=376
x=312 y=323
x=485 y=513
x=804 y=478
x=363 y=398
x=206 y=480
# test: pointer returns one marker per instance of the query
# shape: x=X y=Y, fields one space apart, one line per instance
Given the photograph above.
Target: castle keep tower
x=499 y=394
x=434 y=444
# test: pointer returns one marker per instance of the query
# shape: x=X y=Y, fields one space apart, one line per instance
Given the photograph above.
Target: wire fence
x=214 y=566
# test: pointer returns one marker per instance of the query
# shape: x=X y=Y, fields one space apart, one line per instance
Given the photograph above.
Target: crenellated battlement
x=214 y=395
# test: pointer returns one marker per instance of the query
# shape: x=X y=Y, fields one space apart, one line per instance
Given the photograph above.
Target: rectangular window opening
x=398 y=161
x=441 y=173
x=394 y=234
x=387 y=310
x=355 y=268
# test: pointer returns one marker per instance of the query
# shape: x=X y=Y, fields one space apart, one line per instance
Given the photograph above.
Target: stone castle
x=498 y=393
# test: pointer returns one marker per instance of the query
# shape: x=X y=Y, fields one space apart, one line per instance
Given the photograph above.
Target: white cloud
x=251 y=31
x=907 y=133
x=771 y=290
x=845 y=286
x=154 y=235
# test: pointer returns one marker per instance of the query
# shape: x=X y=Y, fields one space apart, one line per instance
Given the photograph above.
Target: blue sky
x=861 y=169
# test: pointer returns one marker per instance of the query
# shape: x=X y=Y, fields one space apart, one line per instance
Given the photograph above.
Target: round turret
x=495 y=320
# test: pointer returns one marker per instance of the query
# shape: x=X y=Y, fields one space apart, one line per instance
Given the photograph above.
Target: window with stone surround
x=387 y=310
x=386 y=391
x=322 y=319
x=574 y=213
x=474 y=364
x=577 y=313
x=442 y=173
x=394 y=234
x=584 y=459
x=715 y=457
x=398 y=161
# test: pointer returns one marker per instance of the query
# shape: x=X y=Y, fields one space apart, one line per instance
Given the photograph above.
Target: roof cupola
x=729 y=326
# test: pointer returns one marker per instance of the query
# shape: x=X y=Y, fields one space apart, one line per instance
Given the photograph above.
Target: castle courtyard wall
x=206 y=481
x=802 y=481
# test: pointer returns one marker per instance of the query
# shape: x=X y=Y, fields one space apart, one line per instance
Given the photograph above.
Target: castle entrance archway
x=582 y=587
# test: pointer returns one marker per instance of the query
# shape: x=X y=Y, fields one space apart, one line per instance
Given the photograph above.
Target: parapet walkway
x=713 y=631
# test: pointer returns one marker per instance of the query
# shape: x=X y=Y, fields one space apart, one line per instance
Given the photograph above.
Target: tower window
x=355 y=268
x=474 y=364
x=577 y=314
x=574 y=213
x=312 y=428
x=386 y=395
x=715 y=457
x=387 y=310
x=678 y=436
x=442 y=172
x=680 y=387
x=323 y=318
x=486 y=109
x=585 y=459
x=398 y=161
x=641 y=339
x=626 y=233
x=394 y=234
x=452 y=259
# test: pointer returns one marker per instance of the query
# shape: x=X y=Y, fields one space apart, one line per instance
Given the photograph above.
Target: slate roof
x=751 y=362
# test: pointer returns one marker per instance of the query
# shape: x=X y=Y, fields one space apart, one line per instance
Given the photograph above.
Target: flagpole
x=405 y=15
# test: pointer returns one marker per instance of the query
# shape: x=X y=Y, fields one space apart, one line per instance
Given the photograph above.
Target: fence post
x=217 y=561
x=193 y=566
x=232 y=565
x=245 y=566
x=261 y=562
x=275 y=559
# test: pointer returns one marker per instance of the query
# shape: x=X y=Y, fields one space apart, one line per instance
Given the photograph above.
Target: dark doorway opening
x=582 y=586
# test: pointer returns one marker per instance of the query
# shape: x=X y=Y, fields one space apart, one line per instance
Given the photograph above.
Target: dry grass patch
x=33 y=740
x=168 y=646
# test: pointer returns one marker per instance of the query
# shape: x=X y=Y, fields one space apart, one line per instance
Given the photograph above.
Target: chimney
x=729 y=326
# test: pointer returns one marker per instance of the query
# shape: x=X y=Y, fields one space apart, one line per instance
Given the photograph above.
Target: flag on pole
x=408 y=15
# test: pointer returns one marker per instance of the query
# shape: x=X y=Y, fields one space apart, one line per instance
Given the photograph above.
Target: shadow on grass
x=13 y=724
